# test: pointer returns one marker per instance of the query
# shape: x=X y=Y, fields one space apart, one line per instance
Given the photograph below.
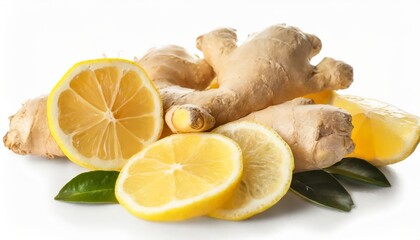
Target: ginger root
x=172 y=65
x=318 y=135
x=271 y=67
x=29 y=132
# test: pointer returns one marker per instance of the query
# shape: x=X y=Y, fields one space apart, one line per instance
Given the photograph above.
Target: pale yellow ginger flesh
x=270 y=68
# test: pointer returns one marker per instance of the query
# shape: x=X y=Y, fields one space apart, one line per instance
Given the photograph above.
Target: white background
x=40 y=40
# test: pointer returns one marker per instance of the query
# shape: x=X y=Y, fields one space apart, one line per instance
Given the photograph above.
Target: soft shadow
x=293 y=205
x=289 y=205
x=391 y=175
x=45 y=163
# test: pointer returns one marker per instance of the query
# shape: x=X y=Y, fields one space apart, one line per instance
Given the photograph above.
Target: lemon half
x=104 y=111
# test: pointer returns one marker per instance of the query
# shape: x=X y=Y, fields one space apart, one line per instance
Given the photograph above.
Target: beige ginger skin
x=172 y=65
x=318 y=135
x=270 y=68
x=29 y=132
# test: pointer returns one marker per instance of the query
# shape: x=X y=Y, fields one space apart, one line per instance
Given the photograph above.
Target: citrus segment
x=86 y=86
x=179 y=177
x=268 y=167
x=88 y=142
x=109 y=78
x=104 y=111
x=75 y=116
x=129 y=107
x=129 y=87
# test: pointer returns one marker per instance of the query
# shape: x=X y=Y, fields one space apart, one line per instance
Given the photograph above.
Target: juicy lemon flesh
x=268 y=165
x=382 y=133
x=180 y=177
x=105 y=113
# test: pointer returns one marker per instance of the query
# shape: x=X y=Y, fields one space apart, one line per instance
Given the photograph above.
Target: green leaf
x=321 y=188
x=360 y=171
x=90 y=187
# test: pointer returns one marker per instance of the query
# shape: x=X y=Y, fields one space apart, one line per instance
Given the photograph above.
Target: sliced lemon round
x=382 y=133
x=180 y=177
x=268 y=169
x=104 y=111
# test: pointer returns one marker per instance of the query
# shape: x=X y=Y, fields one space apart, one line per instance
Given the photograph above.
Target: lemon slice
x=104 y=111
x=382 y=133
x=268 y=169
x=180 y=177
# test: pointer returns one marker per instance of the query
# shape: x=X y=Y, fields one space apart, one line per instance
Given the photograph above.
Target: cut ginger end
x=107 y=112
x=383 y=134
